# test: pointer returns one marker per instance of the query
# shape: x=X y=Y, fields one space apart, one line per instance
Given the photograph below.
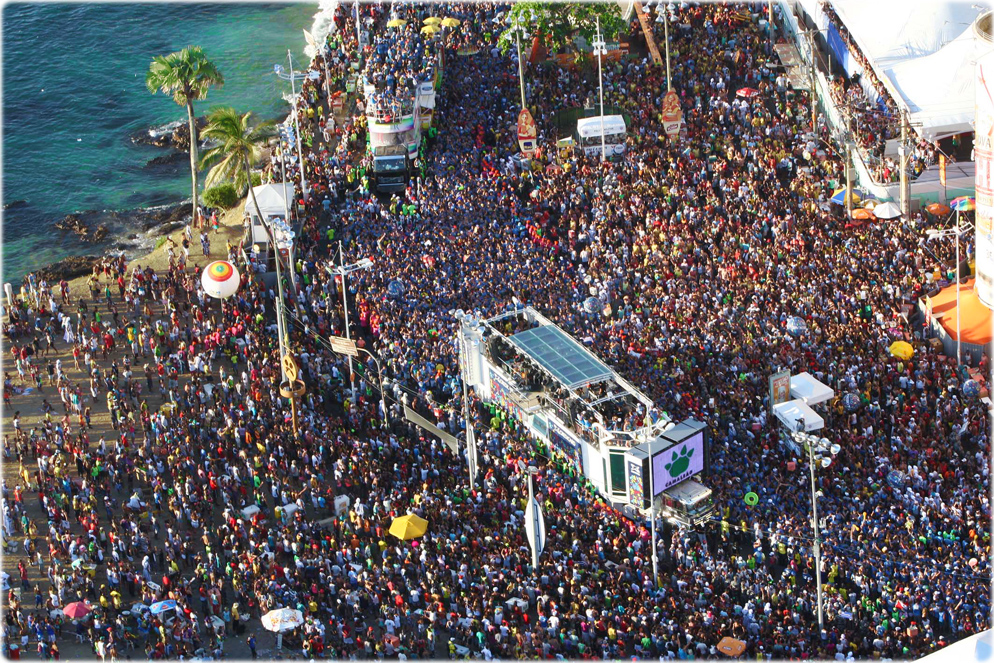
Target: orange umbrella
x=862 y=214
x=731 y=647
x=937 y=209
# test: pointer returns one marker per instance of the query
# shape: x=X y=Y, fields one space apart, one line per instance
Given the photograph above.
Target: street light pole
x=954 y=232
x=521 y=67
x=599 y=48
x=467 y=423
x=296 y=122
x=817 y=543
x=666 y=45
x=345 y=308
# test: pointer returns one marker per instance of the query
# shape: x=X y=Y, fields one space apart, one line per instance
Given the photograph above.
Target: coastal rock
x=169 y=216
x=15 y=204
x=175 y=134
x=76 y=224
x=171 y=159
x=68 y=268
x=169 y=227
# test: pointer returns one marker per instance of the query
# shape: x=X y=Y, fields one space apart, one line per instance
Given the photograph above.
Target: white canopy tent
x=805 y=387
x=939 y=89
x=272 y=203
x=790 y=414
x=977 y=647
x=892 y=31
x=924 y=51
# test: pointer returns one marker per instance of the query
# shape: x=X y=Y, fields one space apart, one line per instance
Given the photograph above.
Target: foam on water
x=324 y=24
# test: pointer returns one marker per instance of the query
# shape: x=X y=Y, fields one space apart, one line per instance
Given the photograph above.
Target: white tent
x=271 y=199
x=805 y=387
x=892 y=31
x=790 y=414
x=977 y=647
x=939 y=89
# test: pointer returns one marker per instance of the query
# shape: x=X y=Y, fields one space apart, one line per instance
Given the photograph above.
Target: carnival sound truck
x=397 y=116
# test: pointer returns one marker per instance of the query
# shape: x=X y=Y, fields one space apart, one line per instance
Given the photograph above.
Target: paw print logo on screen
x=679 y=463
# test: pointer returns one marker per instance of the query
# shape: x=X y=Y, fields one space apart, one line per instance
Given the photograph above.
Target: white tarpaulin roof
x=805 y=387
x=977 y=647
x=939 y=90
x=891 y=31
x=925 y=51
x=791 y=412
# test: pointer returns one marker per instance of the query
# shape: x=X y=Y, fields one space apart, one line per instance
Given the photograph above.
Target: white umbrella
x=283 y=619
x=887 y=211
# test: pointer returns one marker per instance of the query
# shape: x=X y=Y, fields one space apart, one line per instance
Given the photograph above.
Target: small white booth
x=805 y=387
x=272 y=199
x=792 y=413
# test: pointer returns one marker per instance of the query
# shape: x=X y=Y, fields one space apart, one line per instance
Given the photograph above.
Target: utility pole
x=814 y=87
x=666 y=45
x=848 y=145
x=903 y=153
x=601 y=48
x=521 y=67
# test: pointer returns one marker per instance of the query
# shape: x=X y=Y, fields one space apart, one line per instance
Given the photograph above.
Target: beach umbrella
x=796 y=326
x=971 y=388
x=432 y=20
x=450 y=22
x=938 y=209
x=902 y=350
x=162 y=606
x=396 y=23
x=862 y=214
x=964 y=204
x=850 y=402
x=77 y=610
x=409 y=527
x=430 y=29
x=591 y=305
x=887 y=211
x=282 y=619
x=747 y=92
x=839 y=197
x=220 y=279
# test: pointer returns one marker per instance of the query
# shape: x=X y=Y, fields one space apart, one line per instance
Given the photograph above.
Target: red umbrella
x=76 y=610
x=748 y=92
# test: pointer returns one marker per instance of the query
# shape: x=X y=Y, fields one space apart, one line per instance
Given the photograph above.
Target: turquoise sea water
x=74 y=92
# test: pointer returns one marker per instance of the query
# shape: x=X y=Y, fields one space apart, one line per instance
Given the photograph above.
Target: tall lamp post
x=292 y=77
x=820 y=452
x=518 y=31
x=466 y=320
x=344 y=270
x=954 y=232
x=600 y=50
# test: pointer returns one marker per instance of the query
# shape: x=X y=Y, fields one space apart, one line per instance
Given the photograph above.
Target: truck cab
x=688 y=503
x=391 y=168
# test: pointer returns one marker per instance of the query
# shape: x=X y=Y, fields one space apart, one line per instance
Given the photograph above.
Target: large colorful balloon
x=220 y=279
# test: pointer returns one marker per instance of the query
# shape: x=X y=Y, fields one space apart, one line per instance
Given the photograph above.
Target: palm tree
x=238 y=146
x=186 y=75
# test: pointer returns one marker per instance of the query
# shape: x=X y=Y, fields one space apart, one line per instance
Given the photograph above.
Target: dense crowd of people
x=702 y=248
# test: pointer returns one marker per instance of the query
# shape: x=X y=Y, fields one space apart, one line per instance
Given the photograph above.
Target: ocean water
x=74 y=93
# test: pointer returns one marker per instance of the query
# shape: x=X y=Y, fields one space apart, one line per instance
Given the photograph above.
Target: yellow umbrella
x=396 y=23
x=902 y=350
x=409 y=527
x=432 y=20
x=430 y=29
x=450 y=22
